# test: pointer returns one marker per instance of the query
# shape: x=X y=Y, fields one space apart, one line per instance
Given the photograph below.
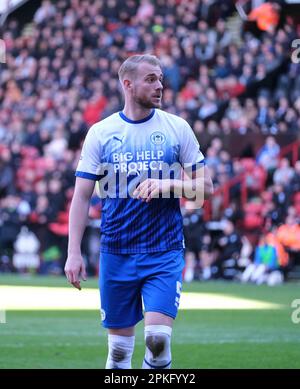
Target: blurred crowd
x=60 y=77
x=261 y=235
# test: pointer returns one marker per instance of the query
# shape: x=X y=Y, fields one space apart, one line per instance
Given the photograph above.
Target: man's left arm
x=197 y=185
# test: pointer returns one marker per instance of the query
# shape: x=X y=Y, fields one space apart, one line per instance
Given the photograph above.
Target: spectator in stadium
x=13 y=211
x=141 y=234
x=228 y=246
x=268 y=156
x=265 y=268
x=7 y=186
x=263 y=17
x=289 y=233
x=207 y=256
x=284 y=173
x=266 y=16
x=281 y=200
x=193 y=229
x=295 y=181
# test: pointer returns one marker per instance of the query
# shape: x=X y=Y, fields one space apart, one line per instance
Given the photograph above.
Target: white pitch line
x=39 y=298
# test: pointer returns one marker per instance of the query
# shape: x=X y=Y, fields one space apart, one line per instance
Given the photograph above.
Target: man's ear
x=127 y=84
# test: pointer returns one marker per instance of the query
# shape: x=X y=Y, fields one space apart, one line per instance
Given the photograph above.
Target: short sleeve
x=89 y=163
x=190 y=153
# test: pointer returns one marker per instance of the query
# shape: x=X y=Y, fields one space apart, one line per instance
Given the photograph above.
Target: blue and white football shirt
x=125 y=152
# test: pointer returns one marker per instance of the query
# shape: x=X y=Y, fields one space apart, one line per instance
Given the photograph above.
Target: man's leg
x=158 y=330
x=121 y=306
x=120 y=348
x=161 y=292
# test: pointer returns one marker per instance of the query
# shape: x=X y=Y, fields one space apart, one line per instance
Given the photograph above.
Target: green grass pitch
x=235 y=337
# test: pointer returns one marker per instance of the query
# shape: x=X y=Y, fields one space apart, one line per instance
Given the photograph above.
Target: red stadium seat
x=63 y=217
x=29 y=152
x=253 y=221
x=253 y=208
x=248 y=164
x=253 y=215
x=297 y=208
x=297 y=198
x=59 y=229
x=2 y=148
x=267 y=196
x=28 y=163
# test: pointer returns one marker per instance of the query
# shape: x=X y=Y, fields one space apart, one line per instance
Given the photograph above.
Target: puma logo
x=119 y=139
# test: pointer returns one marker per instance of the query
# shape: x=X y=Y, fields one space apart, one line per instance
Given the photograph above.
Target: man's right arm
x=77 y=222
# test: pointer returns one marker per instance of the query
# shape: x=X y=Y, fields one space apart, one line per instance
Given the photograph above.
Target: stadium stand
x=238 y=89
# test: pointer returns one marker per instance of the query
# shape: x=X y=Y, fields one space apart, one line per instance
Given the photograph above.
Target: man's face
x=147 y=86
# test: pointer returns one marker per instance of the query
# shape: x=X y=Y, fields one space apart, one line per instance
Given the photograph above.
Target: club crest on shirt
x=157 y=138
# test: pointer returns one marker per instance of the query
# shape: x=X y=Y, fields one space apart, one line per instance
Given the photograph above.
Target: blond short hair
x=130 y=65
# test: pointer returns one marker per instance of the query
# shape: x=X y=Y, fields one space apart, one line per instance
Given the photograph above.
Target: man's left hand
x=151 y=188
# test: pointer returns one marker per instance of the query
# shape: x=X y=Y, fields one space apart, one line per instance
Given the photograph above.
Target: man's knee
x=158 y=350
x=156 y=343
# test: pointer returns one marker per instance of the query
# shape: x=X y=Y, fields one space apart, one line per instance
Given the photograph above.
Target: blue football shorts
x=127 y=281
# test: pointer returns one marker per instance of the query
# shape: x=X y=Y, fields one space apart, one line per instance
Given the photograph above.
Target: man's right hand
x=74 y=268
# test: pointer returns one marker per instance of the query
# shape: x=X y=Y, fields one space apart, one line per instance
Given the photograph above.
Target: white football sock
x=120 y=350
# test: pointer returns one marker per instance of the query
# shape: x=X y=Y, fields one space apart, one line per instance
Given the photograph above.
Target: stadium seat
x=253 y=221
x=253 y=207
x=63 y=217
x=28 y=163
x=253 y=215
x=29 y=152
x=248 y=164
x=267 y=196
x=2 y=148
x=297 y=208
x=297 y=198
x=59 y=229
